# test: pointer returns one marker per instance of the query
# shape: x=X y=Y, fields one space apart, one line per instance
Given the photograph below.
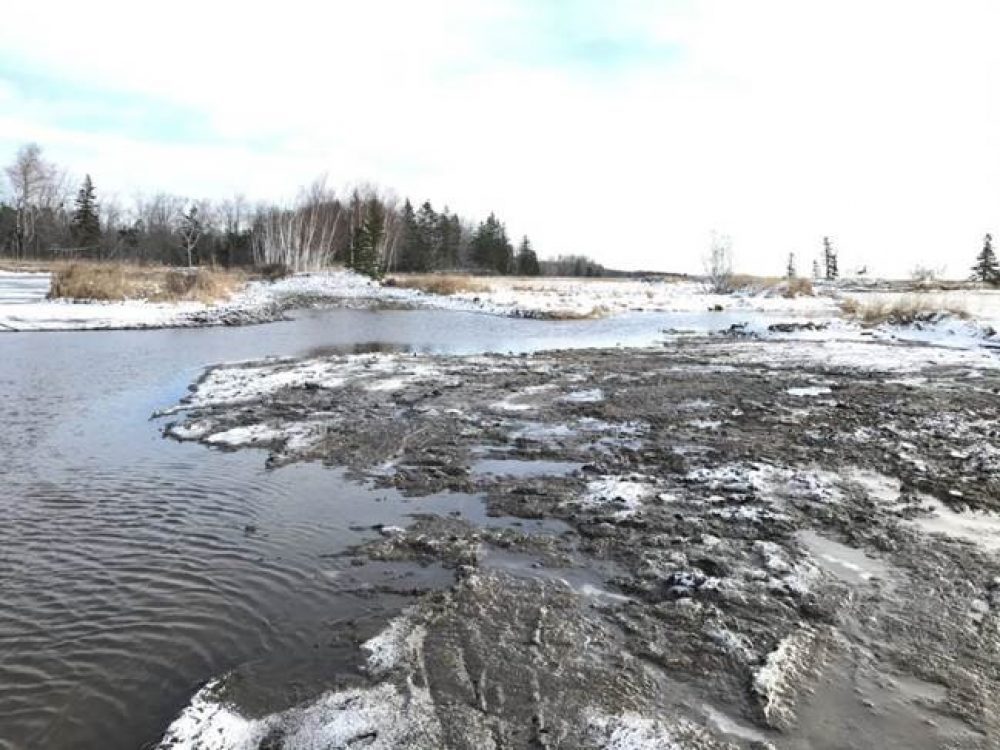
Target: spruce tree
x=527 y=261
x=366 y=241
x=816 y=271
x=489 y=244
x=411 y=249
x=85 y=225
x=430 y=242
x=986 y=268
x=449 y=234
x=830 y=259
x=790 y=271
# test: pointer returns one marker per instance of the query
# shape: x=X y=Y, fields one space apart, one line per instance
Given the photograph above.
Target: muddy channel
x=714 y=543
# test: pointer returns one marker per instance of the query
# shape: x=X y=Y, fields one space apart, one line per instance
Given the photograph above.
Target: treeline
x=42 y=215
x=577 y=265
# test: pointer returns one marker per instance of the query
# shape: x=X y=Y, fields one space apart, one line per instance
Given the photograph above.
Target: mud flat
x=718 y=543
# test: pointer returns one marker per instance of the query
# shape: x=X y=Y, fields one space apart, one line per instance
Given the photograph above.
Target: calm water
x=135 y=568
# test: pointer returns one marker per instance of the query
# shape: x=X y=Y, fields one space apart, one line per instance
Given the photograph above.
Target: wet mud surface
x=706 y=545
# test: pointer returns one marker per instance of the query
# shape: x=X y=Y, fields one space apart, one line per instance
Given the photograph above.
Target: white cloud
x=779 y=121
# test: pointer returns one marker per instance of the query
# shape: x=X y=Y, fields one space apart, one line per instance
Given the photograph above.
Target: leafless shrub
x=798 y=288
x=925 y=274
x=719 y=264
x=905 y=310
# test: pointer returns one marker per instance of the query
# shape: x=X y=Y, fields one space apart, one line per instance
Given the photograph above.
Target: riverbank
x=968 y=318
x=264 y=301
x=745 y=543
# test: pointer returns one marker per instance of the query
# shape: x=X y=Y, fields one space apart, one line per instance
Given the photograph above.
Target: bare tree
x=925 y=274
x=156 y=218
x=719 y=263
x=190 y=230
x=35 y=187
x=305 y=236
x=233 y=213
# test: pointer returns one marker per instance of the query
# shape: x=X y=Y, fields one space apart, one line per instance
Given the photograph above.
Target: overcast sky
x=624 y=130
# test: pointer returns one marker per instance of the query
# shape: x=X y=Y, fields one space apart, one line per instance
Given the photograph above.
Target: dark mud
x=744 y=556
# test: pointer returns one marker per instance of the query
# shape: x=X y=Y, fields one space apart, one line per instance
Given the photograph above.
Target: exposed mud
x=744 y=544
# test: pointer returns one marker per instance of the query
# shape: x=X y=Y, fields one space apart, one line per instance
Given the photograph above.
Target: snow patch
x=245 y=436
x=981 y=528
x=387 y=650
x=813 y=390
x=775 y=682
x=625 y=495
x=383 y=717
x=590 y=396
x=632 y=731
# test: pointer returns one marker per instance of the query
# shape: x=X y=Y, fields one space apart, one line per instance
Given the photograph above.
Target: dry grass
x=592 y=314
x=114 y=282
x=443 y=284
x=904 y=310
x=743 y=282
x=746 y=282
x=798 y=287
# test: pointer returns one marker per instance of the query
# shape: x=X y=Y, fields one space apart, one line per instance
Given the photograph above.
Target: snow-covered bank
x=23 y=307
x=262 y=300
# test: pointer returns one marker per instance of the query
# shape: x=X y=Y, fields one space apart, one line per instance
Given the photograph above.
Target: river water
x=135 y=568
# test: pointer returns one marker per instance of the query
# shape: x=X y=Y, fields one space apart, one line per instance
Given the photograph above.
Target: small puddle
x=847 y=563
x=979 y=527
x=472 y=509
x=729 y=725
x=520 y=468
x=586 y=582
x=920 y=690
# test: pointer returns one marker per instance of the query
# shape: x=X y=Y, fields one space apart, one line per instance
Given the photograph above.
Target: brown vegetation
x=443 y=284
x=592 y=314
x=114 y=282
x=904 y=310
x=799 y=287
x=743 y=282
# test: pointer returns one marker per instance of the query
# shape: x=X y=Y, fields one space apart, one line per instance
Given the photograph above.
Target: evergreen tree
x=986 y=268
x=85 y=225
x=527 y=261
x=430 y=241
x=490 y=247
x=422 y=243
x=411 y=251
x=449 y=233
x=816 y=271
x=367 y=238
x=830 y=260
x=790 y=271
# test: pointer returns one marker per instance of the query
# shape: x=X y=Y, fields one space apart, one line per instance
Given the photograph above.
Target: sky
x=629 y=131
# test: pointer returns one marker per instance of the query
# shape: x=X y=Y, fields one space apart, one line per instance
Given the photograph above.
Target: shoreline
x=745 y=543
x=761 y=315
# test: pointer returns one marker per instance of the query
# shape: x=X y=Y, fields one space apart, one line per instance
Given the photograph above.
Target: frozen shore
x=261 y=301
x=23 y=307
x=750 y=544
